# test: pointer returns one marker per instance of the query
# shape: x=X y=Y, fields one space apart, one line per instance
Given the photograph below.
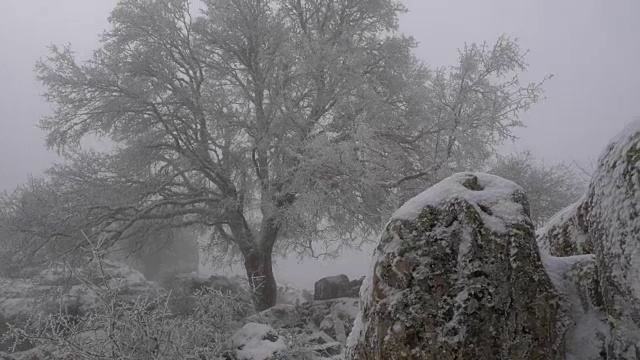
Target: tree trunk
x=260 y=275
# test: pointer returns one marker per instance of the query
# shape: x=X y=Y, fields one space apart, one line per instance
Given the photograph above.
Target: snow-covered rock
x=56 y=285
x=280 y=316
x=567 y=233
x=575 y=278
x=333 y=317
x=614 y=223
x=457 y=275
x=605 y=224
x=321 y=326
x=289 y=294
x=334 y=287
x=257 y=342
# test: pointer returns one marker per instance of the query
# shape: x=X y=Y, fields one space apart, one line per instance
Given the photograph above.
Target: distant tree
x=550 y=188
x=35 y=217
x=274 y=124
x=170 y=252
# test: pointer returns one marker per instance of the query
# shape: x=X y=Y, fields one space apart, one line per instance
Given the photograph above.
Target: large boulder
x=320 y=326
x=335 y=287
x=614 y=220
x=567 y=233
x=605 y=223
x=457 y=275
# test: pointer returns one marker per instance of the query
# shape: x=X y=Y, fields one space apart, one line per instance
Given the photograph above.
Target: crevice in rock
x=472 y=183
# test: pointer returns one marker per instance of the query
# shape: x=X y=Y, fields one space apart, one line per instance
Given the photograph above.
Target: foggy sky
x=592 y=47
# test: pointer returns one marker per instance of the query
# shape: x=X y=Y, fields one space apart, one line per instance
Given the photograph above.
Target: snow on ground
x=24 y=296
x=588 y=330
x=257 y=342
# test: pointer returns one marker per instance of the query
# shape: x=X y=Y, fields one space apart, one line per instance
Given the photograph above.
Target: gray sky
x=592 y=47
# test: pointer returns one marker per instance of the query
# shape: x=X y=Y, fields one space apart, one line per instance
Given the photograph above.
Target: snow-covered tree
x=271 y=123
x=550 y=188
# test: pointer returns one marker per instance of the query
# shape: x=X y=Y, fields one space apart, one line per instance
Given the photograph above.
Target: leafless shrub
x=144 y=327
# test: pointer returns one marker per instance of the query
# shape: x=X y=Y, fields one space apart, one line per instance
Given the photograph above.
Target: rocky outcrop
x=333 y=317
x=604 y=224
x=614 y=221
x=567 y=233
x=321 y=326
x=334 y=287
x=457 y=275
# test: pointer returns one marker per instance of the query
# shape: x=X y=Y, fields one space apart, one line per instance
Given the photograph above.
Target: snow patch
x=588 y=331
x=257 y=342
x=493 y=199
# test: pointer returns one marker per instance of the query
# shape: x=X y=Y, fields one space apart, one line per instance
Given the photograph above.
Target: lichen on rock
x=457 y=275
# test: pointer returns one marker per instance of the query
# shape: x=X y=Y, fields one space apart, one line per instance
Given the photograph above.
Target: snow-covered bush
x=143 y=328
x=196 y=320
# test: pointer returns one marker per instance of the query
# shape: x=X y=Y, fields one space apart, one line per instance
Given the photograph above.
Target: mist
x=590 y=47
x=497 y=156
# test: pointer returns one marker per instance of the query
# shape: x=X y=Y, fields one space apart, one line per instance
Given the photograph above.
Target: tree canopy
x=550 y=188
x=271 y=123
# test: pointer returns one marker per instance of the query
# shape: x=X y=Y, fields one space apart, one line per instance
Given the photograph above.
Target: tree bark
x=257 y=259
x=260 y=275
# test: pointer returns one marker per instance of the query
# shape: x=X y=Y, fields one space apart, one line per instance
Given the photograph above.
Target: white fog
x=259 y=128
